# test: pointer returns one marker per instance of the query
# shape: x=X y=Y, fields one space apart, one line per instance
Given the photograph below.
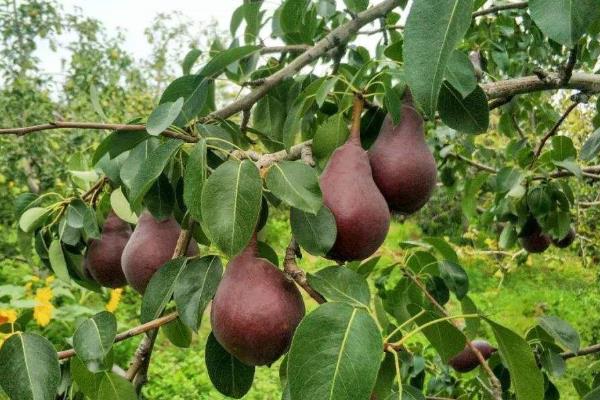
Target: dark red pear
x=566 y=241
x=151 y=245
x=361 y=213
x=103 y=257
x=466 y=360
x=403 y=167
x=256 y=309
x=532 y=238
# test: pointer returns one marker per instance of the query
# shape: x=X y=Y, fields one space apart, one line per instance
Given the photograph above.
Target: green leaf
x=335 y=354
x=114 y=387
x=94 y=338
x=564 y=21
x=460 y=73
x=117 y=143
x=356 y=6
x=468 y=115
x=443 y=335
x=433 y=29
x=229 y=375
x=151 y=169
x=188 y=61
x=571 y=166
x=329 y=136
x=219 y=62
x=160 y=198
x=472 y=324
x=562 y=148
x=178 y=333
x=194 y=178
x=392 y=103
x=326 y=87
x=519 y=359
x=591 y=147
x=292 y=15
x=454 y=277
x=160 y=289
x=30 y=369
x=195 y=287
x=594 y=394
x=315 y=233
x=57 y=261
x=163 y=116
x=442 y=247
x=80 y=215
x=33 y=218
x=195 y=90
x=231 y=200
x=342 y=284
x=135 y=159
x=95 y=100
x=88 y=382
x=561 y=331
x=121 y=206
x=296 y=184
x=268 y=117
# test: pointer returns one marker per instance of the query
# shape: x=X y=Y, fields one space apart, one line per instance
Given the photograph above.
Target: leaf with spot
x=94 y=338
x=335 y=354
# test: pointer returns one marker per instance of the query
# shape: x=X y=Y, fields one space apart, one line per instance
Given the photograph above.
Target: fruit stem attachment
x=357 y=109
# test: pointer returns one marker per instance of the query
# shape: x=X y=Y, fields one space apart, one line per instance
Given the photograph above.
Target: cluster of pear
x=397 y=174
x=534 y=240
x=121 y=257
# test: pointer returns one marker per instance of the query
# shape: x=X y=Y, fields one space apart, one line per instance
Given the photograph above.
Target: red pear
x=403 y=167
x=256 y=309
x=151 y=245
x=566 y=241
x=361 y=213
x=103 y=257
x=466 y=360
x=533 y=239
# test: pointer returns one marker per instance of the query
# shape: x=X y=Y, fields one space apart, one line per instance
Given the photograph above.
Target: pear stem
x=357 y=109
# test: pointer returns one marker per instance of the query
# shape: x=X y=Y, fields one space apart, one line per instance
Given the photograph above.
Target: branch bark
x=496 y=9
x=294 y=272
x=589 y=83
x=336 y=37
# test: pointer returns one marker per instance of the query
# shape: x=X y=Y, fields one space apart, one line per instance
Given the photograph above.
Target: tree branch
x=138 y=330
x=475 y=164
x=553 y=131
x=294 y=272
x=336 y=37
x=496 y=386
x=293 y=48
x=91 y=125
x=496 y=9
x=589 y=83
x=582 y=352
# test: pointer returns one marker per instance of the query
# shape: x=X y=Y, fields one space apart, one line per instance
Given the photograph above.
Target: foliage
x=389 y=324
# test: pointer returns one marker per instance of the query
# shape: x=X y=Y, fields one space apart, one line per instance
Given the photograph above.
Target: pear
x=532 y=238
x=256 y=309
x=403 y=167
x=361 y=213
x=466 y=360
x=103 y=257
x=151 y=245
x=566 y=241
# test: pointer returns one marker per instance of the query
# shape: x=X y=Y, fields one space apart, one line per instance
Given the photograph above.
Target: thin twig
x=496 y=386
x=475 y=164
x=294 y=48
x=553 y=130
x=496 y=9
x=582 y=352
x=495 y=103
x=567 y=71
x=298 y=275
x=91 y=125
x=135 y=331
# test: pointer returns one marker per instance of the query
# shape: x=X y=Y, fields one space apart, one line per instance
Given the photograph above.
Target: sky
x=133 y=16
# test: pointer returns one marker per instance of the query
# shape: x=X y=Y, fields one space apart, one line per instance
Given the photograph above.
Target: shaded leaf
x=160 y=289
x=468 y=115
x=229 y=375
x=94 y=338
x=163 y=116
x=296 y=184
x=194 y=178
x=338 y=283
x=315 y=233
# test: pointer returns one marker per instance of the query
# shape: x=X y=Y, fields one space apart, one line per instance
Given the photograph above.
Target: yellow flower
x=7 y=316
x=50 y=279
x=42 y=312
x=115 y=298
x=35 y=278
